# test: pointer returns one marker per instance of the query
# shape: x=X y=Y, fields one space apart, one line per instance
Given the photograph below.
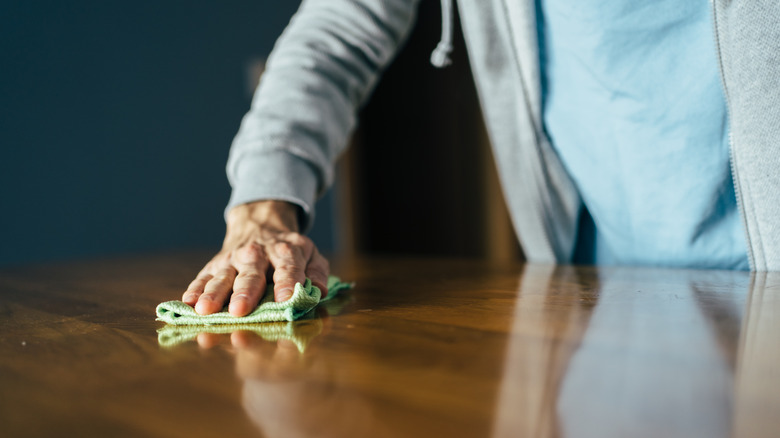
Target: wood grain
x=422 y=347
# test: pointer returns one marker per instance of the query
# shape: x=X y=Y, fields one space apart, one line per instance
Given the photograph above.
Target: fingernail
x=237 y=306
x=201 y=308
x=284 y=294
x=205 y=305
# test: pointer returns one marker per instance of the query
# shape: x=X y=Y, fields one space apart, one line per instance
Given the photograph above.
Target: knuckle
x=291 y=274
x=284 y=249
x=221 y=267
x=287 y=269
x=226 y=272
x=190 y=294
x=297 y=239
x=315 y=271
x=319 y=263
x=251 y=249
x=253 y=246
x=249 y=253
x=251 y=277
x=208 y=296
x=220 y=280
x=217 y=261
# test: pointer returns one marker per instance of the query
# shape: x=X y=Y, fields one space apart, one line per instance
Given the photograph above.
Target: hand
x=262 y=240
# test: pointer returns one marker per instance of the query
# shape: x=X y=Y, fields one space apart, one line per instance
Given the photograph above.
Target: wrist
x=280 y=215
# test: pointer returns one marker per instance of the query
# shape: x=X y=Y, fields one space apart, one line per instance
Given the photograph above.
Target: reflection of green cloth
x=305 y=297
x=299 y=333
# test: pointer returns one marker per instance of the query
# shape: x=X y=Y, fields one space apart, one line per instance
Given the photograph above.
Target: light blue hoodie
x=634 y=106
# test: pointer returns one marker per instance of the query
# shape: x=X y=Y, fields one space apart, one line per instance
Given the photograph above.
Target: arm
x=321 y=70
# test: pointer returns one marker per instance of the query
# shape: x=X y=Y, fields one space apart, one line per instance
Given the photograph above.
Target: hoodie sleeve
x=319 y=73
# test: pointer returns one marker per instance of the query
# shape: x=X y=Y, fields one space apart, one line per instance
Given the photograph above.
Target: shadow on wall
x=115 y=122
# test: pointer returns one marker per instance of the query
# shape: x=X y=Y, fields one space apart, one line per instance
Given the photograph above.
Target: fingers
x=209 y=340
x=195 y=289
x=239 y=278
x=239 y=275
x=245 y=339
x=249 y=285
x=217 y=289
x=289 y=258
x=318 y=271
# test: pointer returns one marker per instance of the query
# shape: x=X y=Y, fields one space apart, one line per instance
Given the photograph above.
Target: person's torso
x=634 y=108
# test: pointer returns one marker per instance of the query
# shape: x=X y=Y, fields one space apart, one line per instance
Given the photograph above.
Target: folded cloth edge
x=305 y=297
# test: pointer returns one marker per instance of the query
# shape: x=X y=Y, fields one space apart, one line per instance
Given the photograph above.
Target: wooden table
x=419 y=348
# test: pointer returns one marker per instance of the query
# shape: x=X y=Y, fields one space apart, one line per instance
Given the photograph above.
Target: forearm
x=321 y=70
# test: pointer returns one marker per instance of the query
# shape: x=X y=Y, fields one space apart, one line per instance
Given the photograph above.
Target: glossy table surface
x=418 y=348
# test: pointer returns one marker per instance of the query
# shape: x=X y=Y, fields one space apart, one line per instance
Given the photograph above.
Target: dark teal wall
x=115 y=122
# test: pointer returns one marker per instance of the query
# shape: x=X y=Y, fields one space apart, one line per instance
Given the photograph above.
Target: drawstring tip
x=440 y=57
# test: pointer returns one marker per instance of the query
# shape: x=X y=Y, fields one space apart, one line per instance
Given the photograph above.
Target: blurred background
x=116 y=119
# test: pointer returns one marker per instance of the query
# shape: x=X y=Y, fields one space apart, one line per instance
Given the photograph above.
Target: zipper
x=732 y=156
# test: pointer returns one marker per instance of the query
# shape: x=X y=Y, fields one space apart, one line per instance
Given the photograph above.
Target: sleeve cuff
x=274 y=175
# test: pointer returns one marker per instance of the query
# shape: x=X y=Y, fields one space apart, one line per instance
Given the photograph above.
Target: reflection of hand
x=272 y=351
x=261 y=360
x=281 y=384
x=257 y=358
x=289 y=393
x=262 y=237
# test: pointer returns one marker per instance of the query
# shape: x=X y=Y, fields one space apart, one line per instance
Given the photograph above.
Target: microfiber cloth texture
x=300 y=335
x=305 y=297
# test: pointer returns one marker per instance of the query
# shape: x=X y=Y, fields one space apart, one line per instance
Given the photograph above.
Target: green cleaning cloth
x=305 y=297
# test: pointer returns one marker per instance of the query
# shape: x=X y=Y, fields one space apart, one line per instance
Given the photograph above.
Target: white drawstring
x=441 y=55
